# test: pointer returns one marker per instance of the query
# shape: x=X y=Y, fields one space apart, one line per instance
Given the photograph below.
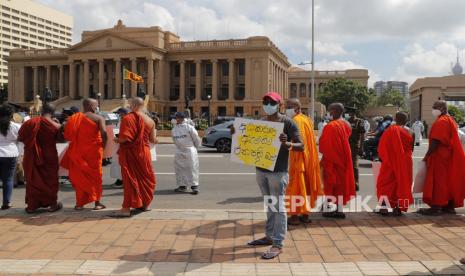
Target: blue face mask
x=270 y=109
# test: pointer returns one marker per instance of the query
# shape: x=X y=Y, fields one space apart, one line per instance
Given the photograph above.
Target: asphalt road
x=223 y=184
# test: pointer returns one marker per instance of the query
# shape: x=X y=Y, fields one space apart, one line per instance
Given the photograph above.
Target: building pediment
x=107 y=42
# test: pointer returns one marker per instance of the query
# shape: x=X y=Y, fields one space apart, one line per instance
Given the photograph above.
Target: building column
x=248 y=79
x=133 y=83
x=48 y=76
x=198 y=79
x=214 y=79
x=61 y=81
x=101 y=77
x=150 y=76
x=231 y=80
x=35 y=86
x=72 y=80
x=117 y=78
x=158 y=87
x=182 y=81
x=85 y=77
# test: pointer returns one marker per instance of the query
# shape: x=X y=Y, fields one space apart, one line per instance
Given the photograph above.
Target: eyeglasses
x=268 y=102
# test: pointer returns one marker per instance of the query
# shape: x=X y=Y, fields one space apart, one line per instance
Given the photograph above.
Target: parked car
x=218 y=137
x=223 y=119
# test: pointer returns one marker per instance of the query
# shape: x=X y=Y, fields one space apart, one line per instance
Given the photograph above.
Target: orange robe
x=338 y=173
x=396 y=173
x=40 y=162
x=83 y=158
x=304 y=170
x=445 y=177
x=136 y=162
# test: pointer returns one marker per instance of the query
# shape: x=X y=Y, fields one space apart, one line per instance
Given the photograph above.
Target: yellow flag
x=128 y=75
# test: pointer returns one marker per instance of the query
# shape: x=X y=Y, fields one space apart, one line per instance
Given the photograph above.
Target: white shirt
x=9 y=143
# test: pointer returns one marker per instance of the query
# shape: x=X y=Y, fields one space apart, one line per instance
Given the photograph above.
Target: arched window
x=302 y=90
x=293 y=90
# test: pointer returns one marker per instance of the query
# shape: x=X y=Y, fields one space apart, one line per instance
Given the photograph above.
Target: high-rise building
x=26 y=24
x=401 y=86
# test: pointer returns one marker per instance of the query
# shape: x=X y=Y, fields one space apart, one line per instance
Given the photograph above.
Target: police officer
x=356 y=139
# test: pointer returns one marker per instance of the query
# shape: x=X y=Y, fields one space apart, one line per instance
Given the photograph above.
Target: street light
x=98 y=97
x=209 y=97
x=312 y=62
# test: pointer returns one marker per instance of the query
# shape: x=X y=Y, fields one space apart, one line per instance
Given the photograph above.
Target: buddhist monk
x=338 y=174
x=87 y=138
x=39 y=136
x=136 y=133
x=304 y=168
x=395 y=179
x=444 y=187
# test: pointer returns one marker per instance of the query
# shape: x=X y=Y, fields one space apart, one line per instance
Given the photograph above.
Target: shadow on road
x=241 y=200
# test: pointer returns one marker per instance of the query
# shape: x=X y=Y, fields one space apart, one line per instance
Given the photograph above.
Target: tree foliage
x=456 y=113
x=347 y=92
x=393 y=97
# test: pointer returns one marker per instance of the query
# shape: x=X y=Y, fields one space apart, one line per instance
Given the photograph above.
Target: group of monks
x=333 y=177
x=87 y=137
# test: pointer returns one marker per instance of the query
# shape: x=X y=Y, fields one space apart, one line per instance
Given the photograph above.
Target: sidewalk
x=206 y=242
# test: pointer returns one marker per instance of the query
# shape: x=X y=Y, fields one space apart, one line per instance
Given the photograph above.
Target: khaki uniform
x=355 y=141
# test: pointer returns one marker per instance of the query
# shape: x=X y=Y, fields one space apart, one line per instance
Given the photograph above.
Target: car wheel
x=223 y=145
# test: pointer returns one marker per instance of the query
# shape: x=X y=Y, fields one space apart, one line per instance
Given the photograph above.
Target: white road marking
x=172 y=173
x=200 y=155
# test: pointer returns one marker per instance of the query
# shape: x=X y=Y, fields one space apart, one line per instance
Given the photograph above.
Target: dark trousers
x=355 y=165
x=7 y=174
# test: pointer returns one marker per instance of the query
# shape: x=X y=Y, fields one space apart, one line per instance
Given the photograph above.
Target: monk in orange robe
x=136 y=133
x=338 y=173
x=395 y=178
x=87 y=138
x=304 y=168
x=39 y=136
x=444 y=188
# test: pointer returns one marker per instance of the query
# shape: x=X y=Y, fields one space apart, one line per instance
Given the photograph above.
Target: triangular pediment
x=107 y=41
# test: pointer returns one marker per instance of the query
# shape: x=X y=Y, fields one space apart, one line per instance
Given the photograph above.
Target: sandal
x=271 y=254
x=99 y=206
x=293 y=220
x=58 y=206
x=261 y=242
x=429 y=211
x=29 y=211
x=78 y=208
x=305 y=219
x=397 y=212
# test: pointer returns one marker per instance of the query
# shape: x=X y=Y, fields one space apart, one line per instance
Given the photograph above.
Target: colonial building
x=300 y=83
x=230 y=76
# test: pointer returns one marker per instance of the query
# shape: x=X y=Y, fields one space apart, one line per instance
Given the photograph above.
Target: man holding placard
x=253 y=145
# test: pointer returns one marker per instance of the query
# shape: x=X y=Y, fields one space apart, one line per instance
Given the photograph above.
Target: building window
x=191 y=92
x=241 y=68
x=208 y=69
x=302 y=90
x=240 y=92
x=177 y=70
x=225 y=69
x=221 y=110
x=192 y=68
x=224 y=92
x=293 y=90
x=238 y=111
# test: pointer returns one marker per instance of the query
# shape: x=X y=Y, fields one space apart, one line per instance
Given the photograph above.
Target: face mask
x=173 y=121
x=290 y=112
x=436 y=113
x=346 y=116
x=270 y=109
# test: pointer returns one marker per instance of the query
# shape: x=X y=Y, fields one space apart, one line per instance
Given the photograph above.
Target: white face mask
x=346 y=116
x=173 y=121
x=436 y=113
x=270 y=109
x=290 y=112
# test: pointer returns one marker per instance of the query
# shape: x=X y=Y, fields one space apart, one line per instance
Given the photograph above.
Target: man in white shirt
x=418 y=129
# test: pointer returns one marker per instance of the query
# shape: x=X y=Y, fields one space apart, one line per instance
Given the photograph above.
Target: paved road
x=223 y=184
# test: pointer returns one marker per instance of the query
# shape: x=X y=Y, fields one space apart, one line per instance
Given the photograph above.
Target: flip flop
x=268 y=255
x=99 y=207
x=429 y=212
x=260 y=242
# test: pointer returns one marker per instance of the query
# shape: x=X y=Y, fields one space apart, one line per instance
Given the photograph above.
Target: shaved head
x=293 y=103
x=441 y=105
x=90 y=105
x=336 y=109
x=401 y=118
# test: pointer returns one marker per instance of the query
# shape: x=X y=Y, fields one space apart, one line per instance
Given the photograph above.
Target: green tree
x=347 y=92
x=456 y=113
x=391 y=96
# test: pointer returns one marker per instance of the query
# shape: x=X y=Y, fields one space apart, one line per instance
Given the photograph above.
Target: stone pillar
x=72 y=80
x=182 y=81
x=150 y=76
x=214 y=79
x=117 y=78
x=61 y=81
x=35 y=86
x=248 y=78
x=133 y=83
x=85 y=81
x=101 y=77
x=198 y=79
x=231 y=80
x=48 y=76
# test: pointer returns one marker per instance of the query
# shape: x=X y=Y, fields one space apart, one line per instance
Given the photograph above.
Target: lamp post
x=209 y=97
x=99 y=95
x=312 y=62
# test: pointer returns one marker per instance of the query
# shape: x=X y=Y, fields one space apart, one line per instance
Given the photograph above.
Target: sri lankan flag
x=128 y=75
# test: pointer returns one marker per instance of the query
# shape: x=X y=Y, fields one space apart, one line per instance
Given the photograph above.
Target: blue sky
x=393 y=39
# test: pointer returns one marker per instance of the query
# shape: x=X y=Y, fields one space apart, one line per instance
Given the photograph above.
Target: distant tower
x=457 y=69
